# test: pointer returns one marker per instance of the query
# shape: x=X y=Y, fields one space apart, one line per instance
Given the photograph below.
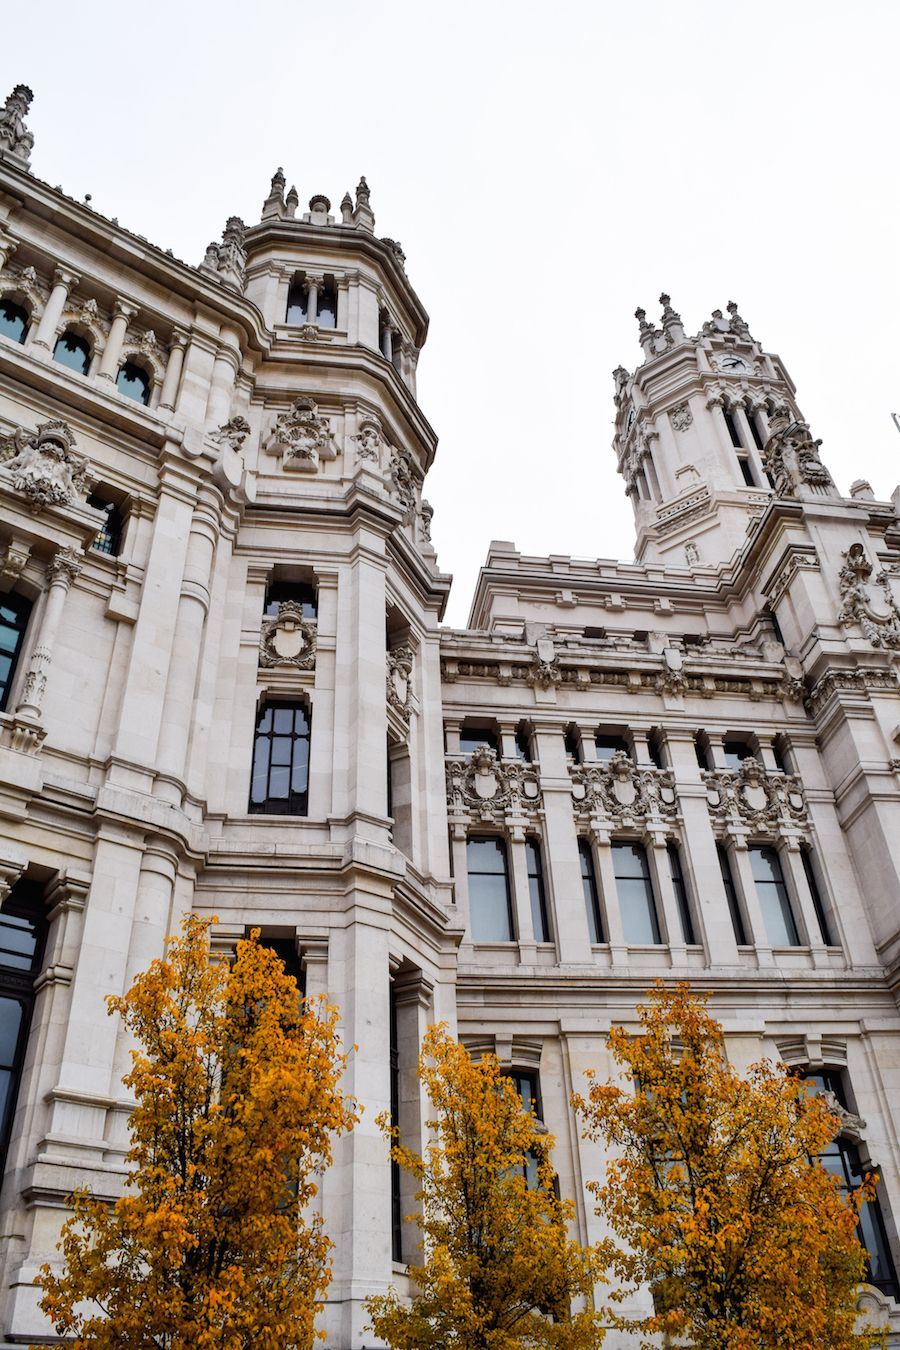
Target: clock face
x=732 y=364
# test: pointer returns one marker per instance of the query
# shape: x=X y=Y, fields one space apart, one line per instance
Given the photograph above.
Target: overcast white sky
x=547 y=167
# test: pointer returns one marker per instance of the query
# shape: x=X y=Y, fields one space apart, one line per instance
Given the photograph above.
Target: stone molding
x=302 y=437
x=399 y=663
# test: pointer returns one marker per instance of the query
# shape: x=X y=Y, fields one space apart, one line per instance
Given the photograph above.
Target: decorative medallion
x=288 y=639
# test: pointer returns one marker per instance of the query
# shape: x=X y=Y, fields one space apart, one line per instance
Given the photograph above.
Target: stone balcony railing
x=483 y=787
x=619 y=791
x=752 y=796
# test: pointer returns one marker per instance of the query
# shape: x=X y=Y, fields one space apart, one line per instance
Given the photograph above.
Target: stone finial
x=346 y=209
x=273 y=206
x=738 y=325
x=16 y=141
x=647 y=333
x=292 y=201
x=672 y=325
x=620 y=375
x=228 y=260
x=363 y=215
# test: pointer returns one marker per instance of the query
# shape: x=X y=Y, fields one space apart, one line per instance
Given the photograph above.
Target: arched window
x=134 y=382
x=280 y=780
x=109 y=538
x=13 y=321
x=296 y=304
x=14 y=612
x=489 y=907
x=22 y=933
x=74 y=351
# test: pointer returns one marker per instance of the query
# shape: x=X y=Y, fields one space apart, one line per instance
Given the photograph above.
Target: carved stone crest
x=485 y=788
x=878 y=617
x=399 y=680
x=288 y=639
x=751 y=794
x=619 y=790
x=15 y=138
x=682 y=417
x=44 y=465
x=303 y=437
x=369 y=441
x=405 y=481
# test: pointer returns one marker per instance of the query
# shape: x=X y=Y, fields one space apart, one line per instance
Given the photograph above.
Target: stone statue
x=16 y=140
x=792 y=457
x=303 y=437
x=45 y=467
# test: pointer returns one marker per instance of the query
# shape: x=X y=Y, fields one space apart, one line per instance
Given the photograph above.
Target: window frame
x=617 y=847
x=591 y=892
x=682 y=895
x=296 y=803
x=782 y=892
x=80 y=338
x=7 y=302
x=147 y=375
x=17 y=986
x=503 y=850
x=17 y=601
x=537 y=890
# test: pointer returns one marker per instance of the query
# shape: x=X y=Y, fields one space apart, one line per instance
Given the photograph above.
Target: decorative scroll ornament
x=232 y=433
x=303 y=437
x=791 y=456
x=399 y=680
x=487 y=789
x=621 y=791
x=228 y=260
x=44 y=466
x=16 y=140
x=879 y=619
x=750 y=794
x=405 y=482
x=288 y=639
x=682 y=417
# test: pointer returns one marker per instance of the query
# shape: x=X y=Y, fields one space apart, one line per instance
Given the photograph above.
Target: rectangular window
x=523 y=744
x=681 y=897
x=746 y=470
x=573 y=743
x=773 y=897
x=536 y=891
x=733 y=432
x=735 y=753
x=526 y=1085
x=734 y=910
x=754 y=430
x=473 y=738
x=821 y=916
x=636 y=901
x=608 y=745
x=589 y=886
x=280 y=779
x=489 y=907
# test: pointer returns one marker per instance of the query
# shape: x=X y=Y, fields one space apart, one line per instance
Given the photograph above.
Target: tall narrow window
x=536 y=891
x=681 y=896
x=134 y=382
x=489 y=907
x=73 y=351
x=22 y=932
x=773 y=897
x=573 y=743
x=754 y=430
x=296 y=304
x=13 y=321
x=108 y=539
x=736 y=751
x=396 y=1203
x=589 y=887
x=841 y=1159
x=280 y=782
x=733 y=431
x=14 y=612
x=528 y=1088
x=636 y=901
x=523 y=744
x=746 y=469
x=285 y=948
x=816 y=896
x=327 y=308
x=734 y=910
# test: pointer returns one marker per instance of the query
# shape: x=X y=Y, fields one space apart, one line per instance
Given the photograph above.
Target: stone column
x=8 y=246
x=521 y=894
x=742 y=873
x=801 y=898
x=62 y=571
x=314 y=964
x=123 y=313
x=387 y=342
x=342 y=319
x=561 y=861
x=669 y=917
x=174 y=366
x=413 y=994
x=224 y=374
x=64 y=282
x=314 y=284
x=193 y=607
x=609 y=895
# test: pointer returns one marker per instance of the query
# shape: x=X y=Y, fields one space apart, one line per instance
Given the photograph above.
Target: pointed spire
x=647 y=334
x=363 y=215
x=738 y=325
x=273 y=206
x=672 y=325
x=292 y=201
x=346 y=209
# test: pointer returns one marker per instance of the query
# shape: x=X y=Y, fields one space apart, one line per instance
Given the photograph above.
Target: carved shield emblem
x=401 y=686
x=288 y=640
x=755 y=797
x=624 y=791
x=486 y=785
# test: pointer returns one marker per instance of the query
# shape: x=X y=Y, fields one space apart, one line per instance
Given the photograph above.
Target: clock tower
x=692 y=425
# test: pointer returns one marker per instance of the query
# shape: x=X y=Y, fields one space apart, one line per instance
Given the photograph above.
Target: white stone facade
x=267 y=544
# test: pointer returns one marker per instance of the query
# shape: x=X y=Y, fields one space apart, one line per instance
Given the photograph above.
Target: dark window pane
x=73 y=351
x=134 y=383
x=13 y=621
x=327 y=307
x=472 y=738
x=489 y=906
x=22 y=930
x=821 y=916
x=747 y=470
x=737 y=921
x=608 y=745
x=280 y=779
x=13 y=321
x=589 y=886
x=536 y=891
x=10 y=1024
x=735 y=753
x=109 y=537
x=754 y=430
x=680 y=889
x=732 y=426
x=300 y=593
x=773 y=898
x=523 y=745
x=296 y=305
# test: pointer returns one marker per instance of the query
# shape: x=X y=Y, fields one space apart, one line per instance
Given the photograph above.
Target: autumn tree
x=499 y=1271
x=745 y=1240
x=237 y=1098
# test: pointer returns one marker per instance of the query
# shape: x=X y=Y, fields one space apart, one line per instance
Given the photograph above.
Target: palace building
x=225 y=687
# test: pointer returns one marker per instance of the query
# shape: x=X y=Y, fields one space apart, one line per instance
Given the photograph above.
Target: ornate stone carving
x=485 y=788
x=288 y=639
x=228 y=260
x=369 y=440
x=620 y=791
x=764 y=801
x=691 y=553
x=682 y=417
x=852 y=1126
x=791 y=456
x=21 y=734
x=16 y=140
x=44 y=466
x=399 y=680
x=64 y=566
x=233 y=433
x=405 y=481
x=426 y=511
x=857 y=682
x=303 y=437
x=879 y=619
